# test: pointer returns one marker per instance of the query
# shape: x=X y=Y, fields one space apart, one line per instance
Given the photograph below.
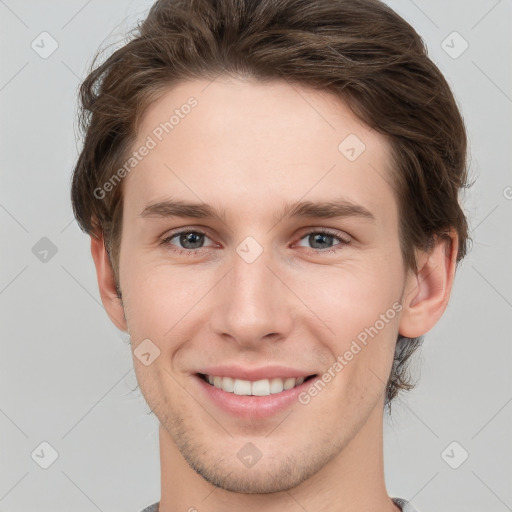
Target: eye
x=322 y=239
x=188 y=241
x=192 y=241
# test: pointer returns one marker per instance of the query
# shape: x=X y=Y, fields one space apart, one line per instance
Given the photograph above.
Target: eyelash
x=192 y=252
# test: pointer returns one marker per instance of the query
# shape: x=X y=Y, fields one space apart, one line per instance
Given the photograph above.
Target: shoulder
x=404 y=505
x=152 y=508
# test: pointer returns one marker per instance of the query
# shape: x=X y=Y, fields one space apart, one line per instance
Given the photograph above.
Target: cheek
x=360 y=304
x=158 y=296
x=353 y=297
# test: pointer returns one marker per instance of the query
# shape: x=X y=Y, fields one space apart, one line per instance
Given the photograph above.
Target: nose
x=253 y=303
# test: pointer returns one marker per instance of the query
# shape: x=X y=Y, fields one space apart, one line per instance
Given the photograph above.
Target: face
x=289 y=267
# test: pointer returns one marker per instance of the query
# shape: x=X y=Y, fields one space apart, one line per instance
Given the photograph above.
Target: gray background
x=66 y=372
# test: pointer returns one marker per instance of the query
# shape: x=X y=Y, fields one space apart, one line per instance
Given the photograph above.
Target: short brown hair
x=360 y=50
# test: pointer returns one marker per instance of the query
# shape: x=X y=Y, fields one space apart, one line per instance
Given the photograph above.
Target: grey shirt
x=404 y=505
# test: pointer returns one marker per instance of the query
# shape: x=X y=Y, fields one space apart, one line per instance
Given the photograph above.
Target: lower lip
x=250 y=406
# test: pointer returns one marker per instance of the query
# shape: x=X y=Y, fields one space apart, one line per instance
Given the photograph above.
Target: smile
x=262 y=387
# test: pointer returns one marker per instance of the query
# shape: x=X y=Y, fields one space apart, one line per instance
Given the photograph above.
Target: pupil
x=320 y=238
x=191 y=238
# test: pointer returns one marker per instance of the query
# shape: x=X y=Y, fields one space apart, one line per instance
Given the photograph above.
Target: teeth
x=263 y=387
x=240 y=387
x=260 y=387
x=227 y=384
x=289 y=383
x=276 y=386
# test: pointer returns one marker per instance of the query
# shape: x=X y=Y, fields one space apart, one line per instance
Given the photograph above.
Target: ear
x=106 y=283
x=427 y=291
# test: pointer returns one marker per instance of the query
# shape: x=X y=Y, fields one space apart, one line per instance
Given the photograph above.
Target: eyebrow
x=338 y=208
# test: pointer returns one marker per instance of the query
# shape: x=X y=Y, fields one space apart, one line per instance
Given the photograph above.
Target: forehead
x=248 y=143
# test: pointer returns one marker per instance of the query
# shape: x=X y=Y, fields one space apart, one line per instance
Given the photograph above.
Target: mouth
x=252 y=393
x=261 y=387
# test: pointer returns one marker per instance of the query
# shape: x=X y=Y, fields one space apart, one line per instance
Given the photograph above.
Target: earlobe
x=107 y=284
x=427 y=291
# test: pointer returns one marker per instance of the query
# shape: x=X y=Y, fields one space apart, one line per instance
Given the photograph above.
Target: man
x=271 y=191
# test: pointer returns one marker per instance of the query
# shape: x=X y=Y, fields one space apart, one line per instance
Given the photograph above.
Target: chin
x=251 y=481
x=265 y=477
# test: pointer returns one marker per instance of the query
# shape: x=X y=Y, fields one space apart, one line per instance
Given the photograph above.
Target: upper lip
x=267 y=372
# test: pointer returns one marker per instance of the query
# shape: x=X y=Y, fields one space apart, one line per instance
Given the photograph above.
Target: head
x=251 y=107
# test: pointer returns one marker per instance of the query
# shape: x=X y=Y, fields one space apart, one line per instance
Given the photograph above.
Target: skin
x=247 y=149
